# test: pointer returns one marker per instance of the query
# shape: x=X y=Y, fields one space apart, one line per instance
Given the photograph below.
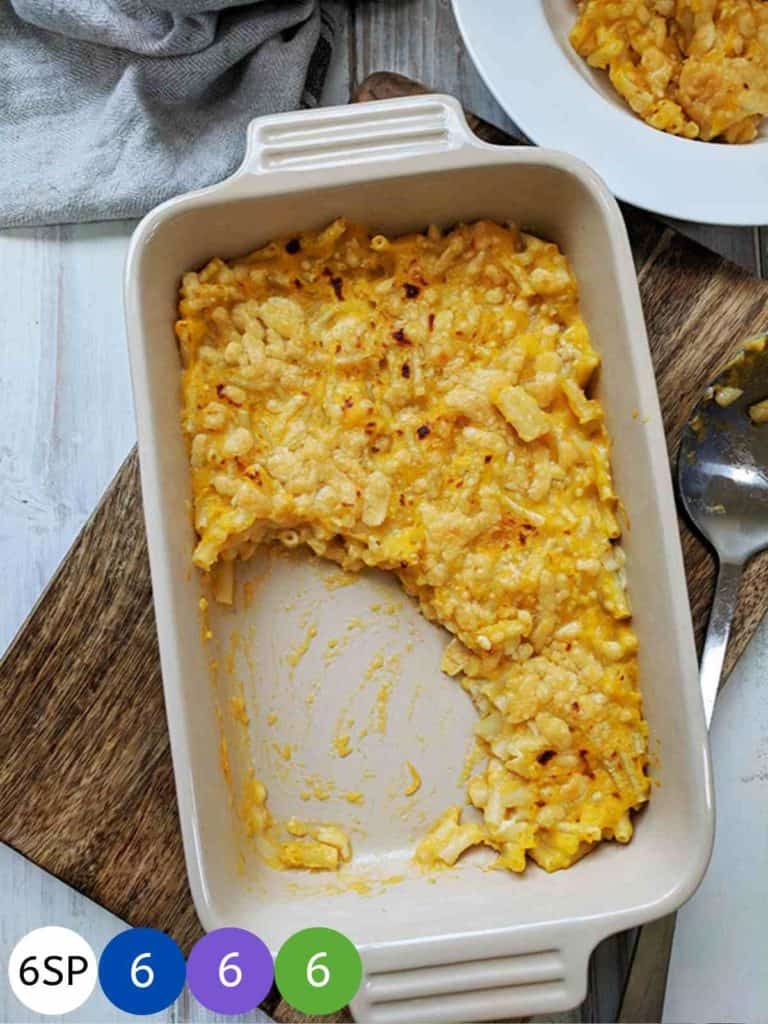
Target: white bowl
x=469 y=944
x=521 y=49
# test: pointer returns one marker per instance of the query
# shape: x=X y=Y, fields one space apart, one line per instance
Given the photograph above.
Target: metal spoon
x=722 y=475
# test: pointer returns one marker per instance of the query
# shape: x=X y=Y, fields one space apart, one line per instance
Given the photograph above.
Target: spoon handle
x=718 y=631
x=641 y=1000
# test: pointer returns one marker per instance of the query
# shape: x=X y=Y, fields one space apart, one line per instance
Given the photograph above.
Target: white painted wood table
x=66 y=423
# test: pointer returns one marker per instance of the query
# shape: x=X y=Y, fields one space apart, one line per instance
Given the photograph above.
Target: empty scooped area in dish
x=327 y=687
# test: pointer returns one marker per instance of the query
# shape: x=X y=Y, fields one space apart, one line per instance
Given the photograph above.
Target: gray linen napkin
x=108 y=107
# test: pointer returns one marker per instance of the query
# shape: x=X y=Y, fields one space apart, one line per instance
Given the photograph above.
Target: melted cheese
x=421 y=405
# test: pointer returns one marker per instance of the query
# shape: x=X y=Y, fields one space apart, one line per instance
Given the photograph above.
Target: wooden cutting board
x=86 y=785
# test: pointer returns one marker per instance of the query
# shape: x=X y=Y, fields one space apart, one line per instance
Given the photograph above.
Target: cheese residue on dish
x=315 y=846
x=381 y=708
x=423 y=405
x=205 y=628
x=341 y=744
x=335 y=580
x=415 y=783
x=298 y=652
x=238 y=710
x=321 y=847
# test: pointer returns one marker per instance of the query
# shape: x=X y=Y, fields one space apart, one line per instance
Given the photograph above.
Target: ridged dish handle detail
x=356 y=134
x=474 y=987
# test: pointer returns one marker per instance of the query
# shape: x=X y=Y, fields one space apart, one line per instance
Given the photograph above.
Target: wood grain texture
x=86 y=787
x=86 y=784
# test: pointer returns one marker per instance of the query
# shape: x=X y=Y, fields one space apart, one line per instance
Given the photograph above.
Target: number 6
x=136 y=967
x=235 y=974
x=314 y=968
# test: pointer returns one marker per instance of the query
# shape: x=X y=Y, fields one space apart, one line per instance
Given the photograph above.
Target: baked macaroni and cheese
x=421 y=405
x=695 y=68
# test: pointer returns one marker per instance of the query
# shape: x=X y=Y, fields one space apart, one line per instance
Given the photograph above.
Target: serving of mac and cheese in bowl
x=691 y=68
x=666 y=99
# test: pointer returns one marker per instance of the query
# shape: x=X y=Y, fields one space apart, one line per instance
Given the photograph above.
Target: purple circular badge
x=230 y=971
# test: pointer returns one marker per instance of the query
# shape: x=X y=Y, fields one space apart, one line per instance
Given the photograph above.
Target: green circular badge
x=318 y=970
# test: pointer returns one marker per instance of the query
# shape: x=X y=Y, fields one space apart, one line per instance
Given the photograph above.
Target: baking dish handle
x=465 y=978
x=358 y=134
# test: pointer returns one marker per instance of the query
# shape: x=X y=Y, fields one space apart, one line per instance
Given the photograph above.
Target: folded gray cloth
x=109 y=106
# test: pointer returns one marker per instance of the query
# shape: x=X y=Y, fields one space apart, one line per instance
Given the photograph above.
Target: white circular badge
x=52 y=970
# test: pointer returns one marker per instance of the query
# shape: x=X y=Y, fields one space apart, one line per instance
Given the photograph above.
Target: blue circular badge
x=142 y=971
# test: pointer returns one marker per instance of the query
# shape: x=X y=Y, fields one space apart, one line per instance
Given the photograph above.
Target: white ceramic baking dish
x=469 y=944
